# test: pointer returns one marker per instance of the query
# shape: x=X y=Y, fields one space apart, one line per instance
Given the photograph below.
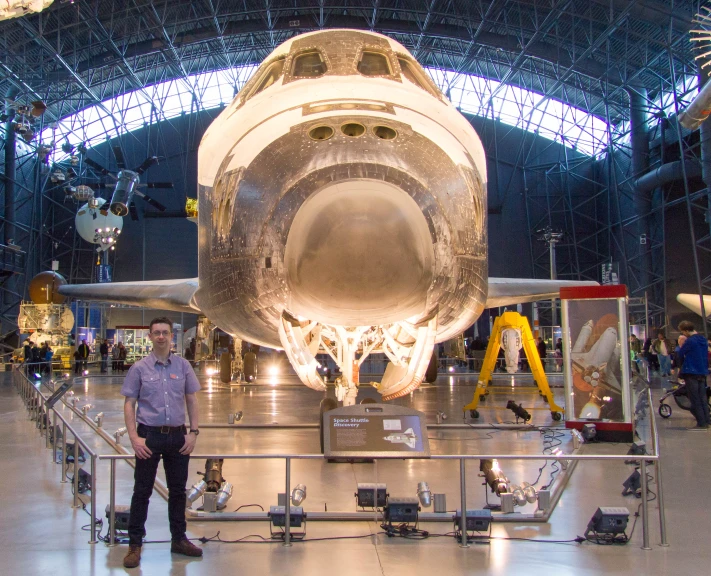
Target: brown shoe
x=185 y=547
x=133 y=558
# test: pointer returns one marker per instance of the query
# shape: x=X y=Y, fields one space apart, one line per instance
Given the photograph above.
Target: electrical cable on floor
x=249 y=506
x=405 y=531
x=263 y=540
x=552 y=438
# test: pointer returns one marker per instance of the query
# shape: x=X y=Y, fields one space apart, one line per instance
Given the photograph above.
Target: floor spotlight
x=633 y=485
x=197 y=490
x=518 y=410
x=519 y=496
x=223 y=495
x=529 y=491
x=298 y=495
x=495 y=478
x=367 y=494
x=402 y=510
x=578 y=439
x=608 y=525
x=424 y=494
x=589 y=432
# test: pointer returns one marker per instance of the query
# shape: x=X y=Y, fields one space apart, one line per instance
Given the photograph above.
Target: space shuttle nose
x=359 y=251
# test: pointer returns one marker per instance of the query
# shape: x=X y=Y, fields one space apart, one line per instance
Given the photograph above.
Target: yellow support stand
x=513 y=320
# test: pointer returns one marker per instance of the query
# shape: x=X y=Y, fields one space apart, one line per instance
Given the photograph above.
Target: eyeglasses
x=163 y=333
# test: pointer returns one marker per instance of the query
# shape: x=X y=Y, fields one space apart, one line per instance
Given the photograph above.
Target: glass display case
x=136 y=341
x=138 y=344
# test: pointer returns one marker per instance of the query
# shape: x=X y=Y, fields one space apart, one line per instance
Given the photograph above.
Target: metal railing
x=36 y=405
x=35 y=401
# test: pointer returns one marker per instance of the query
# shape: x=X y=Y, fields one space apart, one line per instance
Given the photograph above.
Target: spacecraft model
x=97 y=225
x=342 y=210
x=46 y=318
x=511 y=331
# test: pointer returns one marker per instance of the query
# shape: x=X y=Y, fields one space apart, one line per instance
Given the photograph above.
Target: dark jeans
x=104 y=362
x=175 y=465
x=696 y=389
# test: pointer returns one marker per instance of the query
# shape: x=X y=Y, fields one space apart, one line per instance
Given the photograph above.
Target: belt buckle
x=165 y=429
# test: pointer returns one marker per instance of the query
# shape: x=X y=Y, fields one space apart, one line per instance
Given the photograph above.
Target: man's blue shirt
x=693 y=356
x=160 y=389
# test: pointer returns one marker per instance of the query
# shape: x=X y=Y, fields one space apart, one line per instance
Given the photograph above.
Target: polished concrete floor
x=42 y=534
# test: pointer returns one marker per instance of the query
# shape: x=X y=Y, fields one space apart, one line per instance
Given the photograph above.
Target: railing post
x=54 y=436
x=660 y=501
x=645 y=505
x=463 y=493
x=64 y=452
x=112 y=505
x=287 y=508
x=45 y=416
x=94 y=484
x=75 y=479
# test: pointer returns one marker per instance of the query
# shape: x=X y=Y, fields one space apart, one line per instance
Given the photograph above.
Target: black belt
x=165 y=429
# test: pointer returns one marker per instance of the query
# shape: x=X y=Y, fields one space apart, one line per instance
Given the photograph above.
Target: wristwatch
x=194 y=431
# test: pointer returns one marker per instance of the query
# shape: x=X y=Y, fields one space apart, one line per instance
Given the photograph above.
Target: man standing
x=694 y=362
x=663 y=348
x=83 y=353
x=157 y=389
x=104 y=351
x=541 y=346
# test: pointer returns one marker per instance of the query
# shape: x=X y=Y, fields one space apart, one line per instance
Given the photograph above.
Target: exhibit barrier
x=35 y=402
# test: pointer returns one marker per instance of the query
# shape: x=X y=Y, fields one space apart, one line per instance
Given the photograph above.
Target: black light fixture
x=366 y=495
x=608 y=525
x=402 y=510
x=589 y=432
x=277 y=519
x=519 y=411
x=633 y=485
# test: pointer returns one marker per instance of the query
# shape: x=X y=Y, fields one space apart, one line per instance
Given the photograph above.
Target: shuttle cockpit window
x=309 y=65
x=374 y=64
x=270 y=76
x=416 y=76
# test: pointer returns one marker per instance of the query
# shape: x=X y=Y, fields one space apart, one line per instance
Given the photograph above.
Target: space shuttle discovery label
x=375 y=430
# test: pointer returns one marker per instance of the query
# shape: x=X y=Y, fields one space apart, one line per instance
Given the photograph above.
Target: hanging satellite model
x=127 y=183
x=97 y=225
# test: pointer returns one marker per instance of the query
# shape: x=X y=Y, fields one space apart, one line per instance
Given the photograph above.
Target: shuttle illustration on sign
x=342 y=210
x=408 y=437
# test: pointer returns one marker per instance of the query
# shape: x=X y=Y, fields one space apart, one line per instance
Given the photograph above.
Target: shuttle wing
x=175 y=295
x=693 y=302
x=505 y=291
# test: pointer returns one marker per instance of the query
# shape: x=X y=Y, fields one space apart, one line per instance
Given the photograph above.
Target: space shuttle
x=342 y=210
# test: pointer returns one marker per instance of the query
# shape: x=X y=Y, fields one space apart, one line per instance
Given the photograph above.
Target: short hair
x=686 y=326
x=161 y=320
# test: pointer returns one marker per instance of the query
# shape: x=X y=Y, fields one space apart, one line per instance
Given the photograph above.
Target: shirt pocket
x=177 y=385
x=150 y=387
